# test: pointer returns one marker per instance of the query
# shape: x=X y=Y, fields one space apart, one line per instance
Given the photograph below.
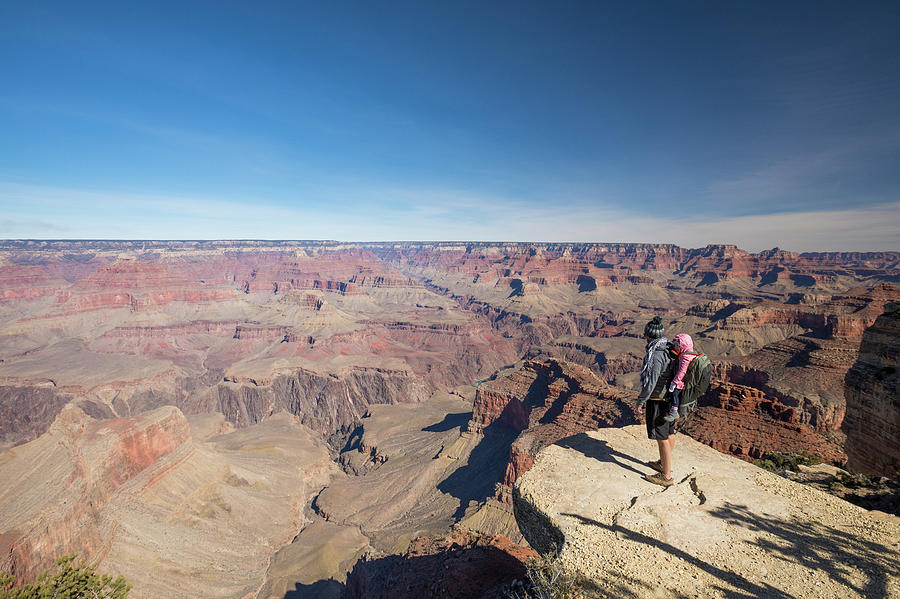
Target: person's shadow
x=600 y=450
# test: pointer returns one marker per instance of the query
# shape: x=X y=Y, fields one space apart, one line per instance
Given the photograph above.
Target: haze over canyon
x=261 y=418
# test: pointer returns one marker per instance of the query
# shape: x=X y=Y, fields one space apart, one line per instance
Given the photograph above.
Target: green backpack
x=696 y=382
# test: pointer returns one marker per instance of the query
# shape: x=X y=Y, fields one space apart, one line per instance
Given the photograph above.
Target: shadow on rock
x=484 y=469
x=449 y=422
x=816 y=546
x=321 y=589
x=459 y=572
x=872 y=395
x=600 y=450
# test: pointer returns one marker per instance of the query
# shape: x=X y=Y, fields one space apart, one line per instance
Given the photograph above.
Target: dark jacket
x=658 y=373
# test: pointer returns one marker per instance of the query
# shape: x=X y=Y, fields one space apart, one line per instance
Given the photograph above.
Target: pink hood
x=684 y=342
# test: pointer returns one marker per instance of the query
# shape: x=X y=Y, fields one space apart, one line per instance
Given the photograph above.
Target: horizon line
x=431 y=241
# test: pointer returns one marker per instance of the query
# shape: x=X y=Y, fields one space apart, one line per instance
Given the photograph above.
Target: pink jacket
x=685 y=356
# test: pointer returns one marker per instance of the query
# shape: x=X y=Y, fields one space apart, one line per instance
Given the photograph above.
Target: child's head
x=682 y=343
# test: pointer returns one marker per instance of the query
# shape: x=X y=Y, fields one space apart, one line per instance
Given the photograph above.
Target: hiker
x=656 y=374
x=683 y=347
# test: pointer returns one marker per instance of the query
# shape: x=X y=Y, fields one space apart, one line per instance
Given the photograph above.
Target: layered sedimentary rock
x=408 y=473
x=872 y=392
x=21 y=281
x=245 y=330
x=66 y=478
x=325 y=403
x=788 y=395
x=351 y=339
x=603 y=263
x=27 y=410
x=608 y=357
x=745 y=422
x=177 y=516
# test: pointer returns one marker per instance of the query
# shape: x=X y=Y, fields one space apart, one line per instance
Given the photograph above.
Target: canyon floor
x=284 y=419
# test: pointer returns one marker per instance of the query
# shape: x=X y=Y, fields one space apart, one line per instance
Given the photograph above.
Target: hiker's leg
x=671 y=442
x=665 y=457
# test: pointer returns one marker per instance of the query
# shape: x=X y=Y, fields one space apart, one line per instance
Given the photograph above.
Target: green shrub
x=766 y=464
x=69 y=582
x=549 y=579
x=776 y=462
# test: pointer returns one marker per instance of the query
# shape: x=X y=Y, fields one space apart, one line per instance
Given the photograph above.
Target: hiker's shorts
x=657 y=427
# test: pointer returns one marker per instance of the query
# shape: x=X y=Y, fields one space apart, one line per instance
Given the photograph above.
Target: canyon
x=273 y=419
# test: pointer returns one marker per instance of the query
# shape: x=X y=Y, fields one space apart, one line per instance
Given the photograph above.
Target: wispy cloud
x=426 y=214
x=800 y=178
x=874 y=228
x=9 y=227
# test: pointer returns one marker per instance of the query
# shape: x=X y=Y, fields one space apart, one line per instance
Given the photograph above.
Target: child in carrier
x=683 y=346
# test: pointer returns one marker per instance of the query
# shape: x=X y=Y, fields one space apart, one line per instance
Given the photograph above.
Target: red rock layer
x=604 y=263
x=751 y=436
x=129 y=283
x=798 y=381
x=252 y=261
x=872 y=392
x=102 y=457
x=745 y=422
x=348 y=271
x=27 y=282
x=461 y=565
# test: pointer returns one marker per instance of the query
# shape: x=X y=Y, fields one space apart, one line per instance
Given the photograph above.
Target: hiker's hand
x=640 y=410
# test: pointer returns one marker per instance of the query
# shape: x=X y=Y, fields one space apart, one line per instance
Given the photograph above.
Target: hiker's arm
x=656 y=368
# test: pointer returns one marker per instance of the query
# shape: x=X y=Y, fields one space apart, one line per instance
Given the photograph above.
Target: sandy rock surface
x=726 y=529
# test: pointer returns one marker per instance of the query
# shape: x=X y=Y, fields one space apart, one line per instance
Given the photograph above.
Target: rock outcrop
x=27 y=410
x=726 y=527
x=542 y=402
x=872 y=392
x=745 y=422
x=461 y=565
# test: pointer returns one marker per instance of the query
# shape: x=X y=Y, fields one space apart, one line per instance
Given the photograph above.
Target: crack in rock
x=696 y=489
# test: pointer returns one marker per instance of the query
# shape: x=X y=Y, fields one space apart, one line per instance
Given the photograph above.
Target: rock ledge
x=727 y=528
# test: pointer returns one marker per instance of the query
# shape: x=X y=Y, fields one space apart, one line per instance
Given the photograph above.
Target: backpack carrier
x=696 y=382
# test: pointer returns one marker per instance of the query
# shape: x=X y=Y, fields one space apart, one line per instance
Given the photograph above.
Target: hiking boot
x=672 y=416
x=656 y=465
x=659 y=479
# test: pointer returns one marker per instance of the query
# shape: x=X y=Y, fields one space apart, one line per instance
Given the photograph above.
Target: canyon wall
x=872 y=392
x=317 y=348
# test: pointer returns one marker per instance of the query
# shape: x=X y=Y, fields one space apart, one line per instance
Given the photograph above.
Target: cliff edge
x=872 y=392
x=727 y=528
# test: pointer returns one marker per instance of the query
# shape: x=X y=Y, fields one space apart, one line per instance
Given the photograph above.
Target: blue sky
x=759 y=124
